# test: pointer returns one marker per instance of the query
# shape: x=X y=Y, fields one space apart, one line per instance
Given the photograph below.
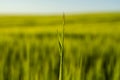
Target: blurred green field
x=29 y=47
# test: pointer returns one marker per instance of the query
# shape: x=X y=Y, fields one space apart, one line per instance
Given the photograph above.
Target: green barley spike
x=61 y=48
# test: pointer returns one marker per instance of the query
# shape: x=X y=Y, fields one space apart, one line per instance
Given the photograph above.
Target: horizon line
x=60 y=13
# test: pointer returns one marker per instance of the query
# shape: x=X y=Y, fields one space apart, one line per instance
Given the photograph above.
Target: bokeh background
x=39 y=42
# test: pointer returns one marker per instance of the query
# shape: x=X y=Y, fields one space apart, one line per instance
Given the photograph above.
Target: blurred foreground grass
x=29 y=48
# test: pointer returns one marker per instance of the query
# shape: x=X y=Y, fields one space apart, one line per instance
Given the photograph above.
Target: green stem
x=61 y=46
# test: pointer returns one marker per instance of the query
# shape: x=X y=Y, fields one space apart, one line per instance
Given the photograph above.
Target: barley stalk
x=61 y=48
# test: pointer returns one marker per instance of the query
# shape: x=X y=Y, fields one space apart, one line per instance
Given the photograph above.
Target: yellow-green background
x=29 y=47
